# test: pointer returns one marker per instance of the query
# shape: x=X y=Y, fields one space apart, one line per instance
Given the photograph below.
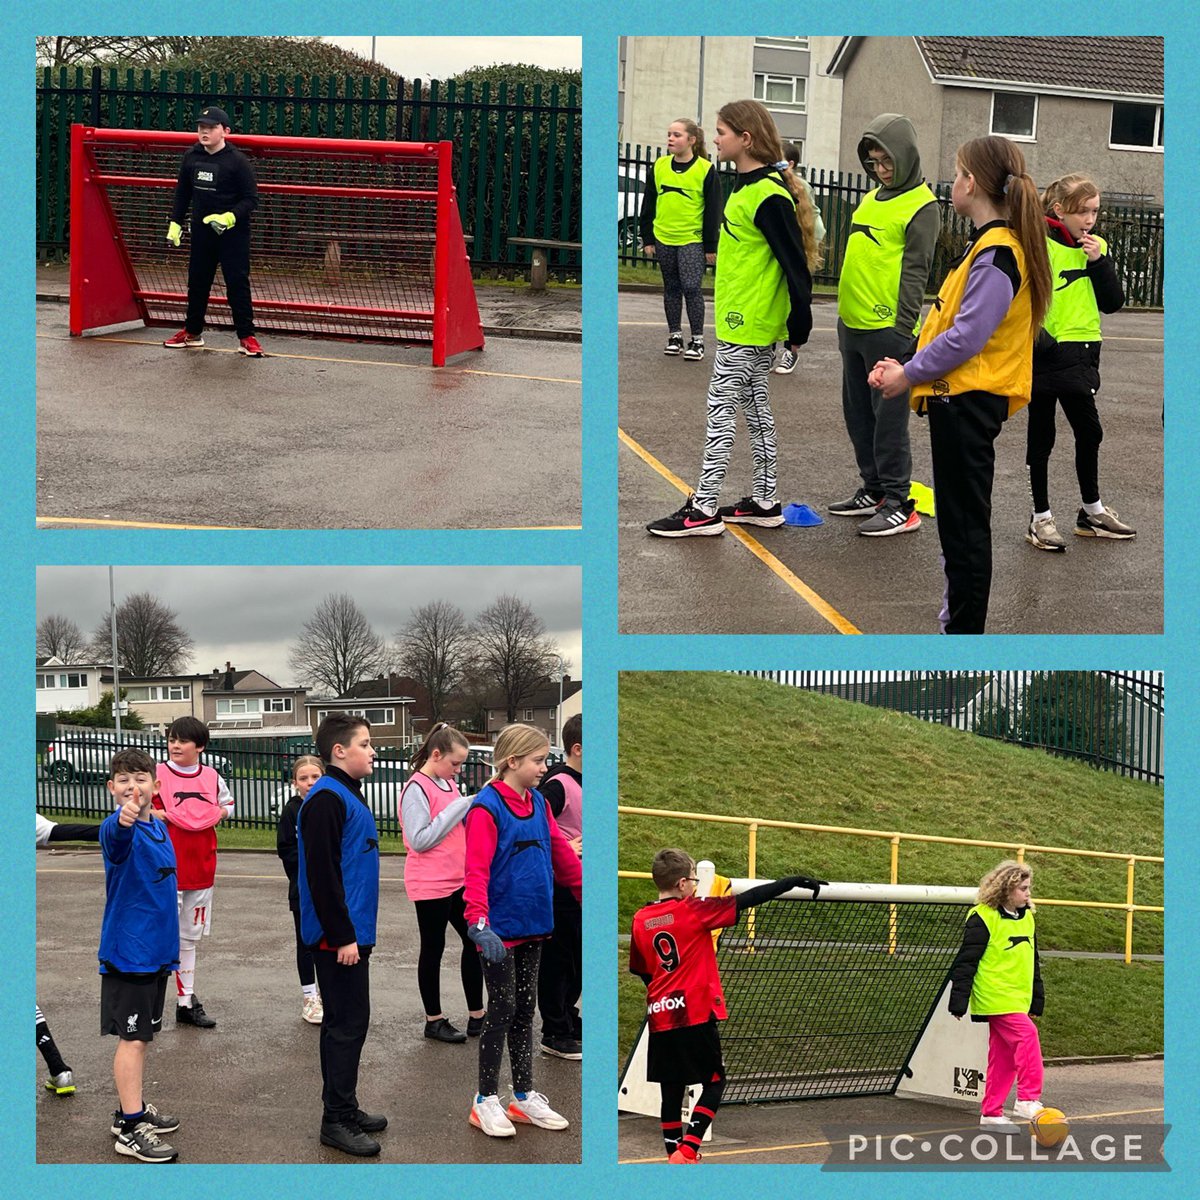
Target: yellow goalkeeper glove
x=220 y=222
x=174 y=233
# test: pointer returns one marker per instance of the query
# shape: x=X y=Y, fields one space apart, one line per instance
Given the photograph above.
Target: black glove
x=803 y=881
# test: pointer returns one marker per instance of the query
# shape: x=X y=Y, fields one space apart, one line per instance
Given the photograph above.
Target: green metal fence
x=517 y=162
x=1112 y=720
x=72 y=767
x=1134 y=234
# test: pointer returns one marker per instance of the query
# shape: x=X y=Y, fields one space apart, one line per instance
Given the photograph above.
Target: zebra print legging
x=739 y=379
x=683 y=275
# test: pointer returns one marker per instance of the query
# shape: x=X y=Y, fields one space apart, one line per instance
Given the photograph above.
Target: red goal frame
x=122 y=271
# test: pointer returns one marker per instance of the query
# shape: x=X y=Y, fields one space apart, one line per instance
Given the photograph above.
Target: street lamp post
x=558 y=714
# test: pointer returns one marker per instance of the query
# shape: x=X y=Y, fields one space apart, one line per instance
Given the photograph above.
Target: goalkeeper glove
x=174 y=233
x=810 y=885
x=220 y=222
x=490 y=946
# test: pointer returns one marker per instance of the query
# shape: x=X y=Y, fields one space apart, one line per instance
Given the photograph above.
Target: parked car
x=74 y=756
x=631 y=182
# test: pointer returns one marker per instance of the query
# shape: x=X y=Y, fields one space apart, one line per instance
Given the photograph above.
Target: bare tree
x=126 y=51
x=150 y=640
x=434 y=648
x=512 y=648
x=59 y=637
x=337 y=646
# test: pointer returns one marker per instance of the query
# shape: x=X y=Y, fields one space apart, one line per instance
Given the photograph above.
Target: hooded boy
x=882 y=287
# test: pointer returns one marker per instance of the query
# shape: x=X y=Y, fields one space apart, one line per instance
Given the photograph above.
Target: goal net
x=844 y=995
x=351 y=239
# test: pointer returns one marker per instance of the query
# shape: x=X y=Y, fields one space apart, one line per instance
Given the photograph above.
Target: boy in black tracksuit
x=218 y=183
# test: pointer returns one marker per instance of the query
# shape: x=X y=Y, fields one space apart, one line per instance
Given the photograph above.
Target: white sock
x=709 y=510
x=1043 y=516
x=1094 y=510
x=308 y=989
x=185 y=977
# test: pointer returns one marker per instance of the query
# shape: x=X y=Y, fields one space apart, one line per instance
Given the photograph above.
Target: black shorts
x=688 y=1055
x=131 y=1006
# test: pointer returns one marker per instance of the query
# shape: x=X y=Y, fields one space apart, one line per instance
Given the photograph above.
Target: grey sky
x=250 y=615
x=441 y=57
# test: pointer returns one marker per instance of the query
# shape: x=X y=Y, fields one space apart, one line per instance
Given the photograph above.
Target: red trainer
x=183 y=341
x=249 y=345
x=681 y=1156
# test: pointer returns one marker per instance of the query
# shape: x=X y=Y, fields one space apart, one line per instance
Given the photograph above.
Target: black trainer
x=159 y=1122
x=695 y=349
x=861 y=504
x=442 y=1031
x=194 y=1016
x=562 y=1047
x=348 y=1137
x=475 y=1025
x=688 y=521
x=371 y=1122
x=674 y=344
x=145 y=1145
x=748 y=511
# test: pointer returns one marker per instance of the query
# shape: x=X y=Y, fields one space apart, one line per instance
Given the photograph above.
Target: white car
x=631 y=183
x=80 y=756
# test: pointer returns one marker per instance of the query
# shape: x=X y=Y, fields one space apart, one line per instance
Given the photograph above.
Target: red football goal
x=351 y=239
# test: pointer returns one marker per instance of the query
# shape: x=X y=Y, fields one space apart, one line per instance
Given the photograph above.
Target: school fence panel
x=1149 y=880
x=72 y=768
x=1134 y=233
x=516 y=160
x=1112 y=720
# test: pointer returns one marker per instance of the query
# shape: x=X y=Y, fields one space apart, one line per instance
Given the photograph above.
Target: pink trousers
x=1014 y=1053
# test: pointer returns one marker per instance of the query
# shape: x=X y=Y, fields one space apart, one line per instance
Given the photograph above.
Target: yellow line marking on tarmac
x=102 y=523
x=916 y=1133
x=329 y=358
x=817 y=603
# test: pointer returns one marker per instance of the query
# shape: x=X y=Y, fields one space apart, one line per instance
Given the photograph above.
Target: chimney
x=228 y=677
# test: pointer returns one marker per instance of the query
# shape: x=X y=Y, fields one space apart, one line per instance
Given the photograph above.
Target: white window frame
x=1013 y=137
x=389 y=714
x=47 y=681
x=176 y=691
x=230 y=709
x=1157 y=148
x=277 y=704
x=783 y=106
x=528 y=715
x=783 y=43
x=133 y=693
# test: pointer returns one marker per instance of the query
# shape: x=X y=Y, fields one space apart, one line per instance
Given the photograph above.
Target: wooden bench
x=333 y=247
x=539 y=263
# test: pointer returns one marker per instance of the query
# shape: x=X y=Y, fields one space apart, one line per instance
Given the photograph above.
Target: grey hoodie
x=896 y=135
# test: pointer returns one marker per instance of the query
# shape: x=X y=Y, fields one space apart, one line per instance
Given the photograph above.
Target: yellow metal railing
x=1020 y=849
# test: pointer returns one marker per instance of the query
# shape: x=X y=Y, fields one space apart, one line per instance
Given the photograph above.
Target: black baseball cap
x=211 y=115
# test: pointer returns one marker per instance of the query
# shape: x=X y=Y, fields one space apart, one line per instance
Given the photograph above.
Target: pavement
x=321 y=434
x=828 y=579
x=249 y=1090
x=1107 y=1095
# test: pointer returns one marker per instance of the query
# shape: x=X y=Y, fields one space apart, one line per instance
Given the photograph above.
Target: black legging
x=432 y=918
x=512 y=999
x=304 y=958
x=671 y=1113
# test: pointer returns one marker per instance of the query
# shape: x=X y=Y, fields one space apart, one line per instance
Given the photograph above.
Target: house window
x=781 y=91
x=237 y=708
x=788 y=43
x=46 y=681
x=1136 y=126
x=377 y=716
x=277 y=704
x=177 y=691
x=528 y=715
x=1014 y=115
x=139 y=695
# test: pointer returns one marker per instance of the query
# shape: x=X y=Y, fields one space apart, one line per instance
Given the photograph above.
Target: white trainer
x=1026 y=1110
x=313 y=1011
x=535 y=1110
x=999 y=1124
x=486 y=1114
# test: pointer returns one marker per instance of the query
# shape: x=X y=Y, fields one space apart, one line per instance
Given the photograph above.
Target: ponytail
x=443 y=737
x=998 y=167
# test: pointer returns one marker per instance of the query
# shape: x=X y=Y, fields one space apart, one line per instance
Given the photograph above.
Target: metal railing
x=894 y=840
x=517 y=164
x=1134 y=232
x=1112 y=720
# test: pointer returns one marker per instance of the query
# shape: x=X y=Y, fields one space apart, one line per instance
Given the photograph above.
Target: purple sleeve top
x=986 y=300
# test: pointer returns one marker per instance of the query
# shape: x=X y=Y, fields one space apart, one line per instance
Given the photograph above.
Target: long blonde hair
x=515 y=741
x=748 y=116
x=1070 y=191
x=1000 y=880
x=999 y=170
